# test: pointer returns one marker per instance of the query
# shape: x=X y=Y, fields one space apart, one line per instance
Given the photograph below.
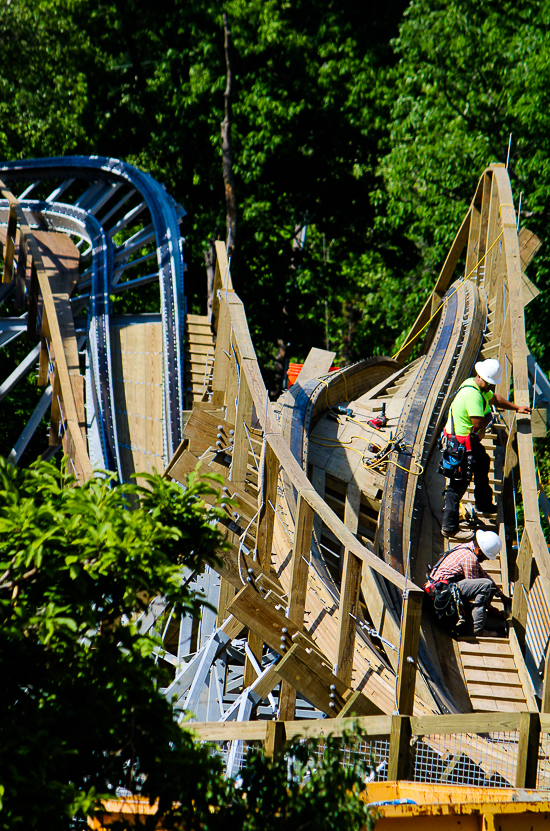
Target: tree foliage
x=469 y=75
x=369 y=131
x=82 y=715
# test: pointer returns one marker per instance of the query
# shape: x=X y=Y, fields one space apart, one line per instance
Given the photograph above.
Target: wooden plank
x=530 y=291
x=529 y=244
x=299 y=567
x=522 y=588
x=349 y=590
x=464 y=723
x=400 y=749
x=224 y=731
x=317 y=363
x=258 y=614
x=249 y=570
x=408 y=653
x=186 y=464
x=349 y=607
x=227 y=593
x=523 y=674
x=528 y=750
x=241 y=445
x=270 y=466
x=538 y=423
x=275 y=739
x=313 y=677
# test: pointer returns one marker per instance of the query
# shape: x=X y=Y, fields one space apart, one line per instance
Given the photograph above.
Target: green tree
x=81 y=710
x=469 y=75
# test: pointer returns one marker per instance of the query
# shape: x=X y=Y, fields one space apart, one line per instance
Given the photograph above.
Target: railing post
x=10 y=246
x=297 y=592
x=399 y=761
x=241 y=446
x=266 y=520
x=528 y=750
x=522 y=586
x=408 y=651
x=221 y=355
x=275 y=739
x=347 y=625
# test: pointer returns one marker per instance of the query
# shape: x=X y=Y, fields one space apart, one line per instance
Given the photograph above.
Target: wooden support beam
x=528 y=750
x=221 y=356
x=9 y=251
x=312 y=676
x=243 y=420
x=399 y=761
x=236 y=566
x=349 y=607
x=266 y=619
x=522 y=586
x=299 y=568
x=227 y=593
x=275 y=739
x=545 y=703
x=21 y=272
x=408 y=652
x=264 y=542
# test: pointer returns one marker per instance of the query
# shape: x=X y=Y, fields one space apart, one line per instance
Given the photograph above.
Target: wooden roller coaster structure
x=319 y=606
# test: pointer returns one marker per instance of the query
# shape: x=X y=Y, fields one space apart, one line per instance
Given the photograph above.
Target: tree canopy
x=357 y=139
x=81 y=709
x=82 y=712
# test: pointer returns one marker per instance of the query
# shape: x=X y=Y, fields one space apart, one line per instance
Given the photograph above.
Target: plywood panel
x=137 y=362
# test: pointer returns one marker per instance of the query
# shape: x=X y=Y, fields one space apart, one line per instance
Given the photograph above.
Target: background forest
x=359 y=133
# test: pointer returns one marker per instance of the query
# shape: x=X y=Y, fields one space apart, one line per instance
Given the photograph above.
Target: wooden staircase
x=493 y=668
x=199 y=358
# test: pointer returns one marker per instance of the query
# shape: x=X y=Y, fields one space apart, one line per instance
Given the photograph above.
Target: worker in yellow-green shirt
x=469 y=415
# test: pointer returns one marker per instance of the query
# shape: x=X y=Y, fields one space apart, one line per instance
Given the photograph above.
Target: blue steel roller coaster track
x=152 y=222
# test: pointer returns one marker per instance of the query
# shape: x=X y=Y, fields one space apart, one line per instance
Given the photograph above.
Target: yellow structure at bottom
x=444 y=807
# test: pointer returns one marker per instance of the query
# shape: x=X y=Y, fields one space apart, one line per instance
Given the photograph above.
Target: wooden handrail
x=241 y=343
x=398 y=731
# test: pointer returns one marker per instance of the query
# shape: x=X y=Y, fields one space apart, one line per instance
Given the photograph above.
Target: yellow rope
x=446 y=300
x=377 y=462
x=323 y=380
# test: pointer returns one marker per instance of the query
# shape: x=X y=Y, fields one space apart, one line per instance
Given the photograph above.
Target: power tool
x=379 y=423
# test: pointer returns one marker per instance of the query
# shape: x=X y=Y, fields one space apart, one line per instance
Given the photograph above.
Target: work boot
x=487 y=510
x=460 y=535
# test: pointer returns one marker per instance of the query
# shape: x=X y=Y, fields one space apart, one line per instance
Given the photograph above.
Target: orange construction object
x=292 y=373
x=294 y=370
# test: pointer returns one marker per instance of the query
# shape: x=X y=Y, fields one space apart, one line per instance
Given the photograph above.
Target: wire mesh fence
x=234 y=753
x=486 y=760
x=375 y=753
x=543 y=766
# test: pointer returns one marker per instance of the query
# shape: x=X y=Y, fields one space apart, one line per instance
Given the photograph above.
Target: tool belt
x=445 y=595
x=447 y=600
x=452 y=455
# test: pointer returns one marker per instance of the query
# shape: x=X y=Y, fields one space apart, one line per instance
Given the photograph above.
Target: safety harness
x=445 y=594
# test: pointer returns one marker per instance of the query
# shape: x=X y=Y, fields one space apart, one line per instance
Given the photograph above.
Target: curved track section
x=110 y=263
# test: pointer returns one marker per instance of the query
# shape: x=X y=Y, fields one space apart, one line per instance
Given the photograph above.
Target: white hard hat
x=489 y=370
x=489 y=542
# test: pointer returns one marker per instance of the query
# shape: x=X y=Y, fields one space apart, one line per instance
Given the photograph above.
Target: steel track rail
x=165 y=216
